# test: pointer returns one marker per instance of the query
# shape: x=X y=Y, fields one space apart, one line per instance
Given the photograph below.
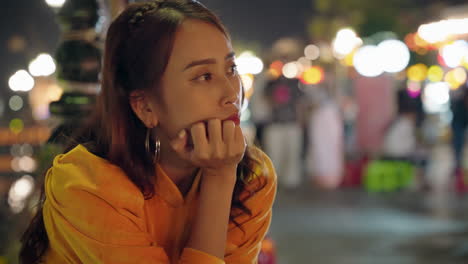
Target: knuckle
x=218 y=154
x=202 y=155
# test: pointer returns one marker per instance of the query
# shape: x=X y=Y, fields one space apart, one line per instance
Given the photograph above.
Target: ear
x=143 y=108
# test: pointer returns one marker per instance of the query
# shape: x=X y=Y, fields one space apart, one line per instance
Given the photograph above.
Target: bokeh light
x=21 y=81
x=247 y=82
x=15 y=164
x=394 y=54
x=16 y=125
x=345 y=42
x=312 y=75
x=291 y=70
x=432 y=33
x=455 y=78
x=43 y=65
x=367 y=61
x=417 y=72
x=420 y=42
x=435 y=73
x=18 y=150
x=248 y=63
x=15 y=150
x=55 y=3
x=19 y=192
x=459 y=75
x=413 y=88
x=312 y=52
x=454 y=53
x=436 y=97
x=27 y=164
x=304 y=62
x=348 y=59
x=15 y=103
x=442 y=30
x=277 y=65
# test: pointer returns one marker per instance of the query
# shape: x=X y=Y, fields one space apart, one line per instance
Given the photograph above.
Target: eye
x=233 y=69
x=204 y=77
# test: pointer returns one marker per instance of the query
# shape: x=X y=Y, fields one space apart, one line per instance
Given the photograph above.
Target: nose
x=231 y=93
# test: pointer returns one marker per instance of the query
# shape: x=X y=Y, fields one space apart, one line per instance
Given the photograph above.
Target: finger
x=215 y=138
x=214 y=131
x=200 y=141
x=228 y=131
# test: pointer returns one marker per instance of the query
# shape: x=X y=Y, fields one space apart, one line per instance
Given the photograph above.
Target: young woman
x=162 y=173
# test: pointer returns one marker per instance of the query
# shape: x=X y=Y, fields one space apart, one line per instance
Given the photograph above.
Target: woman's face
x=200 y=81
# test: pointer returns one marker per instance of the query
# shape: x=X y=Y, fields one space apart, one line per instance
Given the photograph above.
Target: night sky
x=263 y=21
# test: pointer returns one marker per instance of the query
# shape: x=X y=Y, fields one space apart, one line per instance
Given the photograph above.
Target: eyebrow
x=208 y=61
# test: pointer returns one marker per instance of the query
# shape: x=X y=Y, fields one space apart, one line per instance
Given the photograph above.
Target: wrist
x=220 y=177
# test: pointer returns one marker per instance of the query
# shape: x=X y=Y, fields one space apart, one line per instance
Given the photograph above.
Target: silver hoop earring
x=157 y=147
x=157 y=151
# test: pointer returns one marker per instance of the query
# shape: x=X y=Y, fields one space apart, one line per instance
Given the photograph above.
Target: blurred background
x=361 y=104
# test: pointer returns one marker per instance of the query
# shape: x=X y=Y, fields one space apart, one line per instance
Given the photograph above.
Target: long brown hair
x=138 y=45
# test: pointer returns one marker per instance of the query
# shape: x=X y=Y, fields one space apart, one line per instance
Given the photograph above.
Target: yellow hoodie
x=94 y=214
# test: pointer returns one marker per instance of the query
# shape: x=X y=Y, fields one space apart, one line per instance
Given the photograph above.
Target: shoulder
x=90 y=199
x=81 y=171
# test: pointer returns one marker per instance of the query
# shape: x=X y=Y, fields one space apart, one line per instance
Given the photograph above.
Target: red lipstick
x=235 y=118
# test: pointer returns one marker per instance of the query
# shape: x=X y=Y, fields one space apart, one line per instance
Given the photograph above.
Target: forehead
x=195 y=40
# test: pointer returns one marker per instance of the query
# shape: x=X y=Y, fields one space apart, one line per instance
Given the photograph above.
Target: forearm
x=210 y=227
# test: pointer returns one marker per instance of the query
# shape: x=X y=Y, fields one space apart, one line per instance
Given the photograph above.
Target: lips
x=235 y=118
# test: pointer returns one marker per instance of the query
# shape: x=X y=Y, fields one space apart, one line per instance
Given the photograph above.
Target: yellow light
x=16 y=125
x=435 y=73
x=312 y=75
x=455 y=78
x=460 y=75
x=450 y=79
x=348 y=60
x=464 y=62
x=417 y=72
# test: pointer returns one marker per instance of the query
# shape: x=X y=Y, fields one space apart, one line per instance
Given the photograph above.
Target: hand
x=218 y=147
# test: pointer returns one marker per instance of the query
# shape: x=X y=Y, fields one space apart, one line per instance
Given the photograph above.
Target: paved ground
x=354 y=227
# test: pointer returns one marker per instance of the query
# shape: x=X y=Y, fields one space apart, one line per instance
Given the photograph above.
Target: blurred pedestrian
x=325 y=158
x=400 y=141
x=162 y=173
x=283 y=137
x=459 y=125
